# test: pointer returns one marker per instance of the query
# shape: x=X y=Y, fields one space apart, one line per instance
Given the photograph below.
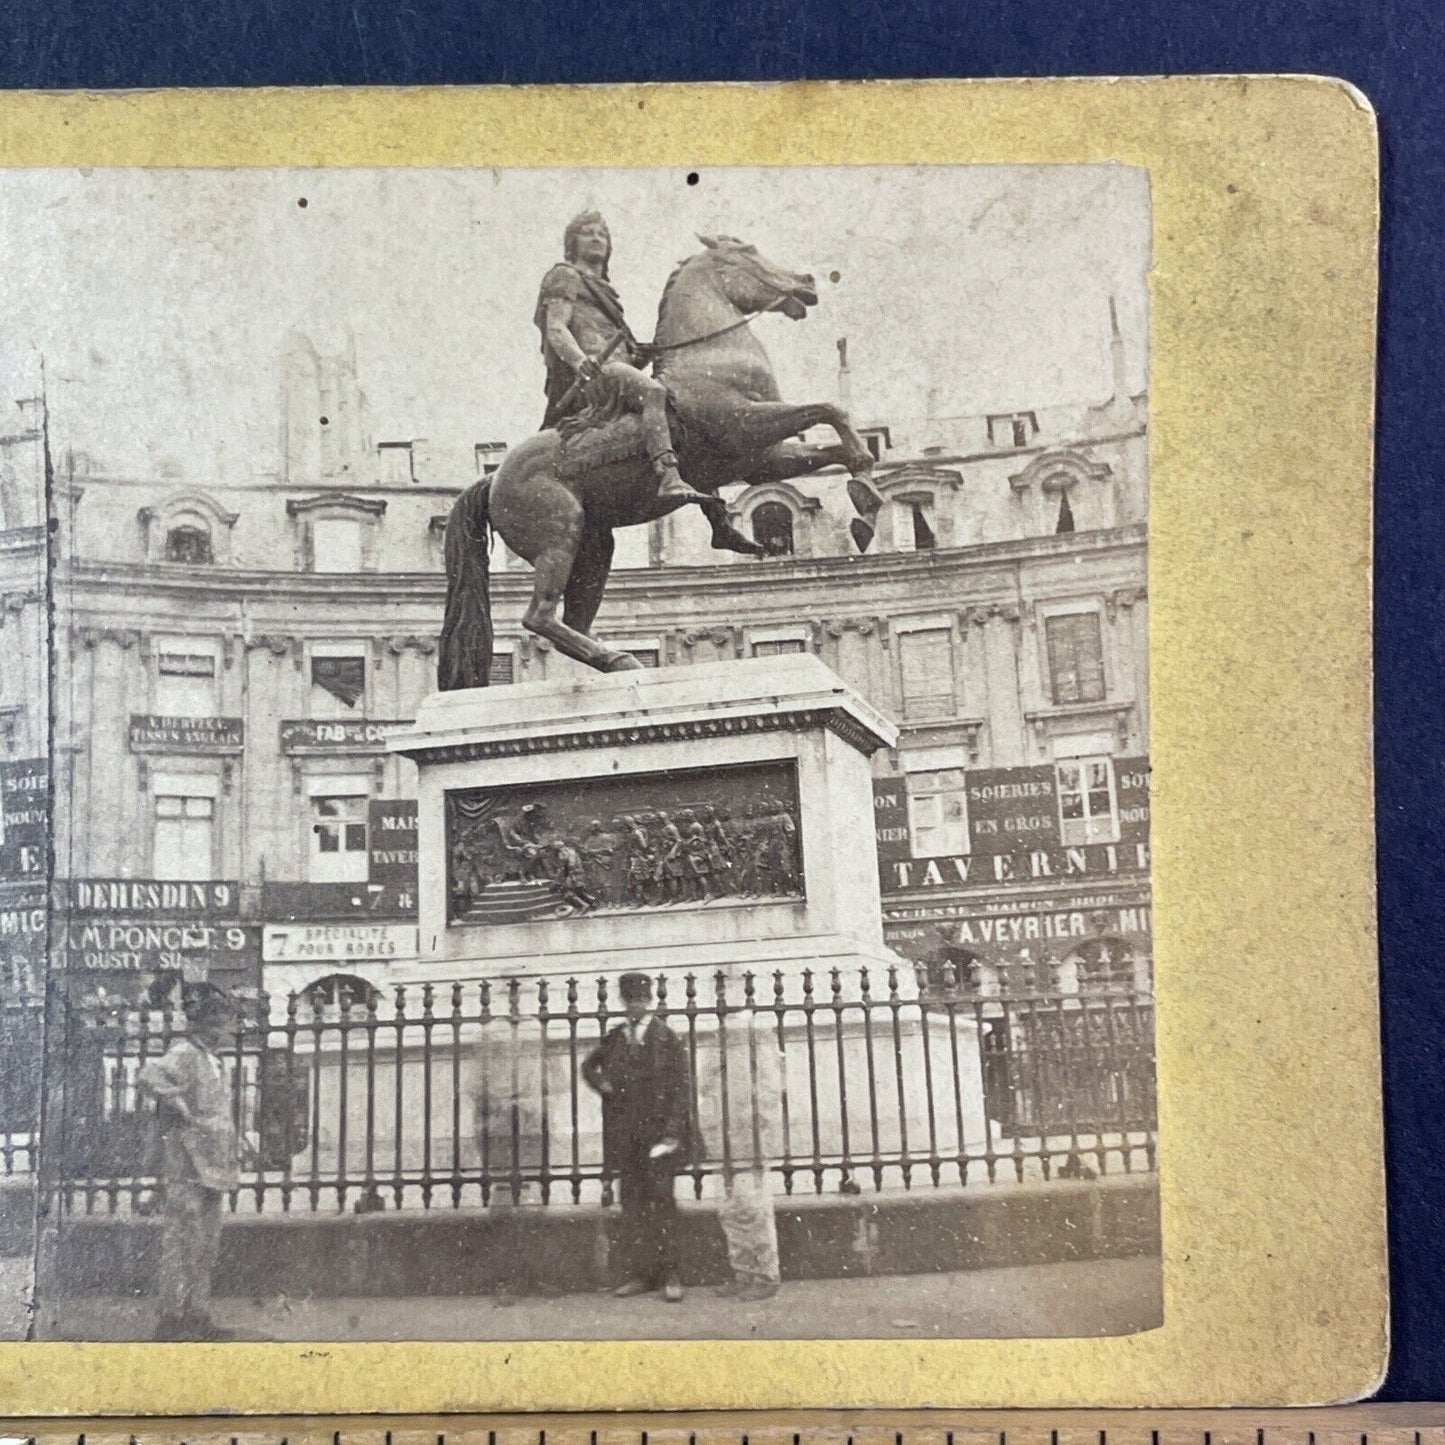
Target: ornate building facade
x=230 y=655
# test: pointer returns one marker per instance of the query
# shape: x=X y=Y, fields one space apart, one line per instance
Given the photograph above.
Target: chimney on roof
x=1116 y=356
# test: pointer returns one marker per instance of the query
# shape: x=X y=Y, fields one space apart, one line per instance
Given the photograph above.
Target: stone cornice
x=850 y=572
x=836 y=720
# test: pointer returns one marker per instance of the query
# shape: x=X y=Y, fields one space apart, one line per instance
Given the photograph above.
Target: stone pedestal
x=712 y=827
x=677 y=820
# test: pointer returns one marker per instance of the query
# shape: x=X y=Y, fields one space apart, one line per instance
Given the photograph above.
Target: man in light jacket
x=193 y=1097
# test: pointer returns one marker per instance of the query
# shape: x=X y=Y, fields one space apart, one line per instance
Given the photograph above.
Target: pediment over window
x=779 y=516
x=187 y=528
x=1058 y=471
x=338 y=502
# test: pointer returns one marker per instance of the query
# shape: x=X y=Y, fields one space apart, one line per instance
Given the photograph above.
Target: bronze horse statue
x=557 y=497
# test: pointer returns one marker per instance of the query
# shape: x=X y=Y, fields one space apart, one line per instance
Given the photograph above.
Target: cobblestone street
x=1102 y=1297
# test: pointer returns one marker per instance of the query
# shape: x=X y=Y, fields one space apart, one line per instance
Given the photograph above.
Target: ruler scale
x=1395 y=1424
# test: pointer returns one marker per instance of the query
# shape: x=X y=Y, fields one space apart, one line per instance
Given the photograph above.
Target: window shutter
x=501 y=673
x=343 y=677
x=926 y=663
x=1076 y=658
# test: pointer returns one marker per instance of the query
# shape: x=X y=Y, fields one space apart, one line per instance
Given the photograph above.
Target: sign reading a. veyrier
x=1007 y=935
x=307 y=735
x=151 y=732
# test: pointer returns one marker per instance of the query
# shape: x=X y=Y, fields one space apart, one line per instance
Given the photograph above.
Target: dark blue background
x=1392 y=50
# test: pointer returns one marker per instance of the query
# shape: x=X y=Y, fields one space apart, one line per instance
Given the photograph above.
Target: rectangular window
x=489 y=457
x=396 y=466
x=878 y=440
x=778 y=646
x=338 y=839
x=1076 y=658
x=185 y=682
x=914 y=528
x=925 y=660
x=1012 y=429
x=338 y=684
x=184 y=836
x=336 y=544
x=501 y=669
x=1088 y=807
x=647 y=656
x=937 y=813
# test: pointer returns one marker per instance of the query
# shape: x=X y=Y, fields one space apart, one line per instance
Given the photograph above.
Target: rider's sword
x=618 y=338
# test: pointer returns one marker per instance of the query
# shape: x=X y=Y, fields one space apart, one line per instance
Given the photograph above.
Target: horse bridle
x=651 y=349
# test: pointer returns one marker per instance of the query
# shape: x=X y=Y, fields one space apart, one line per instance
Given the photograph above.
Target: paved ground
x=1100 y=1297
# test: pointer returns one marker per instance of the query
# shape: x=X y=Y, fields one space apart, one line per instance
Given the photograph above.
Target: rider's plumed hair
x=574 y=228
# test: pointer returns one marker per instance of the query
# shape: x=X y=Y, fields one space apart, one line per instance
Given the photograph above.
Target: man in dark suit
x=649 y=1133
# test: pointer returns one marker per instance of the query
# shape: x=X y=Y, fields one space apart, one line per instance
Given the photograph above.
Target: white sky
x=160 y=299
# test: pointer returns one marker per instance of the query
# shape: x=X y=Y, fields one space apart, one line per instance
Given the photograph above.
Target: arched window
x=190 y=544
x=338 y=992
x=1066 y=514
x=773 y=528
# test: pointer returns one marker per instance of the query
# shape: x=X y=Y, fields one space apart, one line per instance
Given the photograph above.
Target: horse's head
x=753 y=283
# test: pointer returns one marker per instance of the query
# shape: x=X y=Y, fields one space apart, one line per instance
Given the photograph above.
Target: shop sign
x=1131 y=783
x=212 y=899
x=310 y=735
x=1007 y=933
x=890 y=820
x=24 y=818
x=1010 y=809
x=392 y=835
x=150 y=732
x=338 y=942
x=223 y=953
x=24 y=942
x=1040 y=865
x=324 y=902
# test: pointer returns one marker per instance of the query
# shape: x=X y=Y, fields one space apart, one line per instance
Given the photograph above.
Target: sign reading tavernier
x=669 y=840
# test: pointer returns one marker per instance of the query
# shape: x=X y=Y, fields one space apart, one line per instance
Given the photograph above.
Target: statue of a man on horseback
x=593 y=359
x=709 y=417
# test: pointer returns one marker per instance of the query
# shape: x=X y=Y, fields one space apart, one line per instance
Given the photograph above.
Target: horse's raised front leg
x=761 y=426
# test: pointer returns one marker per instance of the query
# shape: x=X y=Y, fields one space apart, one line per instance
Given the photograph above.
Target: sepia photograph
x=575 y=754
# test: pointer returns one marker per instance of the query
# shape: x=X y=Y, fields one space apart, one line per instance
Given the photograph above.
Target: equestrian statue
x=620 y=448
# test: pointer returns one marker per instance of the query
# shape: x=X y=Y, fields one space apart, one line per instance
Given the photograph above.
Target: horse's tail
x=464 y=653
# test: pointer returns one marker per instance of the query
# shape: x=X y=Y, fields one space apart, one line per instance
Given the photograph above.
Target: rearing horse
x=556 y=501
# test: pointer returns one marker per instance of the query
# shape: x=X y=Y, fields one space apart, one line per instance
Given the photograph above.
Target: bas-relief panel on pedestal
x=679 y=839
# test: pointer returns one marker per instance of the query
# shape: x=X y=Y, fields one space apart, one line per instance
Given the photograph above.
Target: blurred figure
x=202 y=1164
x=508 y=1122
x=741 y=1085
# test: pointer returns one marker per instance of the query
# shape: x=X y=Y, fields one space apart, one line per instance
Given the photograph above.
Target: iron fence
x=453 y=1096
